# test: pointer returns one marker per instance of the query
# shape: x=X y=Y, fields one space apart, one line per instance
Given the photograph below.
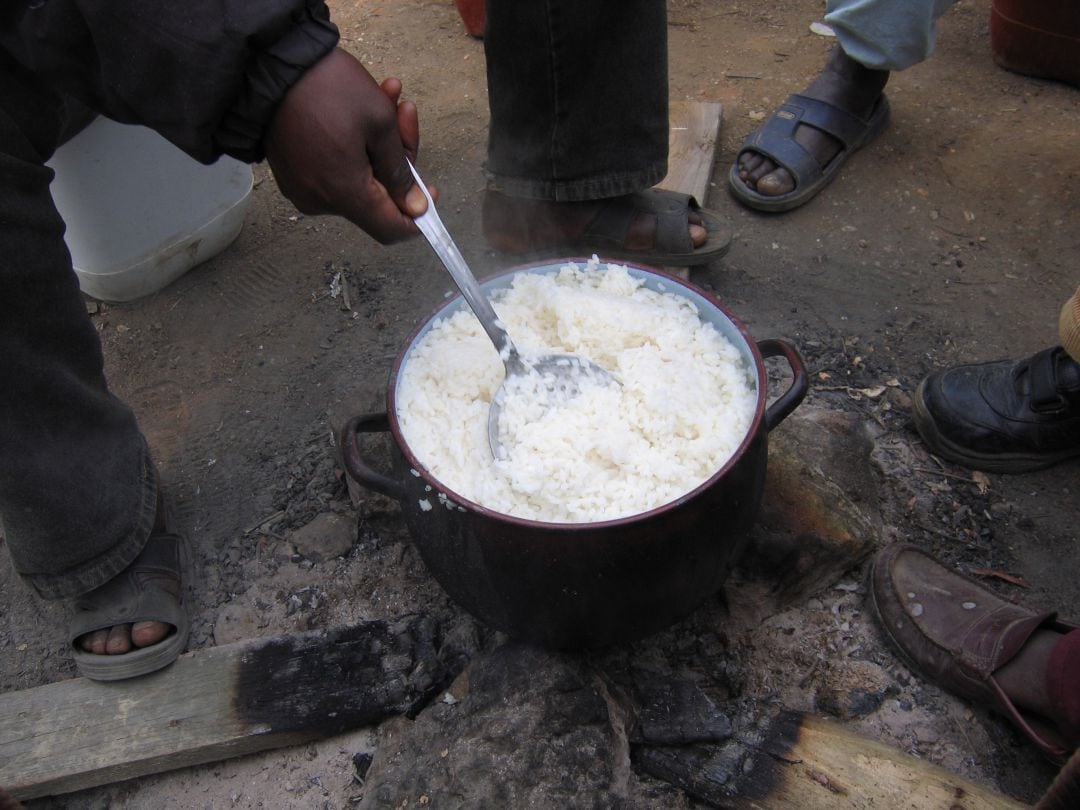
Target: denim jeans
x=77 y=487
x=578 y=91
x=886 y=34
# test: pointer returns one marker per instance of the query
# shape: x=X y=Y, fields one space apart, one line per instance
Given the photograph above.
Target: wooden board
x=215 y=703
x=810 y=763
x=694 y=131
x=255 y=695
x=828 y=766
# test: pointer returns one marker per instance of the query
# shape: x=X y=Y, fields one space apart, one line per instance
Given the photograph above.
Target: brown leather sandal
x=609 y=229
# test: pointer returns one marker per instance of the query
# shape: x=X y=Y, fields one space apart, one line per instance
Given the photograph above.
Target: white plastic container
x=140 y=213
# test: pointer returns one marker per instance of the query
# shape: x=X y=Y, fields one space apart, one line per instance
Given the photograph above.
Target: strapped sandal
x=606 y=234
x=775 y=139
x=135 y=595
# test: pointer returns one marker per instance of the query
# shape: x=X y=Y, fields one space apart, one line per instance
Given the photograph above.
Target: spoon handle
x=433 y=229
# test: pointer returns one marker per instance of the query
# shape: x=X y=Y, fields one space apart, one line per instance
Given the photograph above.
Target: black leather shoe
x=1009 y=416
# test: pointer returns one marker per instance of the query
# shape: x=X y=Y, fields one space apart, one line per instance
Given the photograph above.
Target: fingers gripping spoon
x=551 y=377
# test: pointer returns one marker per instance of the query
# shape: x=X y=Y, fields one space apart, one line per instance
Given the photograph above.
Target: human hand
x=338 y=144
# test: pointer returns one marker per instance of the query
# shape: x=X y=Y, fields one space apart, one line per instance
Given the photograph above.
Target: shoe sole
x=987 y=462
x=883 y=626
x=135 y=663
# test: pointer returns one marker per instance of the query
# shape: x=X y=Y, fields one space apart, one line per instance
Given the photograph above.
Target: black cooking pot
x=582 y=585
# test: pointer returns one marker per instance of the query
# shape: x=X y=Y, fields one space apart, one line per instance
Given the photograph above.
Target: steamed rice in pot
x=685 y=403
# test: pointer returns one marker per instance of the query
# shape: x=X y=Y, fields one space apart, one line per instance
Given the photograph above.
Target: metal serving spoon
x=559 y=375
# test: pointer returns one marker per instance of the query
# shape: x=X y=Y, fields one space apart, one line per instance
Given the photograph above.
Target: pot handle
x=355 y=465
x=790 y=399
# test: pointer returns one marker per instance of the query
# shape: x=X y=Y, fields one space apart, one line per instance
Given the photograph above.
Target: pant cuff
x=594 y=188
x=96 y=572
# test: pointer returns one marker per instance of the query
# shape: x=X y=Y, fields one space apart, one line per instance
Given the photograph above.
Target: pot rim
x=419 y=470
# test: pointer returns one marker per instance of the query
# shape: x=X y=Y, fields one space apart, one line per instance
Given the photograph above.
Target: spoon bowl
x=551 y=378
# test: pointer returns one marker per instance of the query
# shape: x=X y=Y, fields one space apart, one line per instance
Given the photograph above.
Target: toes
x=776 y=183
x=119 y=641
x=94 y=642
x=764 y=168
x=748 y=162
x=757 y=171
x=699 y=234
x=122 y=638
x=145 y=634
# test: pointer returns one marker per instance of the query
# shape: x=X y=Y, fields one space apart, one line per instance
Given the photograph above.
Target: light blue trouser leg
x=886 y=34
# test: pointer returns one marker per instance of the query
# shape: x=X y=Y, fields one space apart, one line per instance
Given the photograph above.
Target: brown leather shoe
x=959 y=634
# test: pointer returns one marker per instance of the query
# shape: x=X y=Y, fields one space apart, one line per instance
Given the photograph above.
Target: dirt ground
x=953 y=238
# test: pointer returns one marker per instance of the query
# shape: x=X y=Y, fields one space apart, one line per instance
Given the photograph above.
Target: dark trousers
x=578 y=91
x=77 y=489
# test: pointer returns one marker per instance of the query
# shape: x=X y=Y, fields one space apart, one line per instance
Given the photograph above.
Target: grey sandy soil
x=953 y=238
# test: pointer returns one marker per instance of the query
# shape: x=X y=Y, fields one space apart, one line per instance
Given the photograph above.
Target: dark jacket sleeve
x=206 y=74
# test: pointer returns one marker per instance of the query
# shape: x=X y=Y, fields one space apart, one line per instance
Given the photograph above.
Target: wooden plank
x=828 y=766
x=692 y=138
x=809 y=532
x=694 y=131
x=216 y=703
x=810 y=763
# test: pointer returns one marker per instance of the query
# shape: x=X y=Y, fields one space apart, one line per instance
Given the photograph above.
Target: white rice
x=684 y=406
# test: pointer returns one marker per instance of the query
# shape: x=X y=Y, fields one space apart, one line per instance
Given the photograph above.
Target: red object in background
x=1038 y=38
x=473 y=14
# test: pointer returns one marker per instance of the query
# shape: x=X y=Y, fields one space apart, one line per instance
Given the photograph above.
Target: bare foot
x=518 y=224
x=843 y=83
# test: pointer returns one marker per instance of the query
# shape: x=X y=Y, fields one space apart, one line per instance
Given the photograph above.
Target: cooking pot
x=574 y=585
